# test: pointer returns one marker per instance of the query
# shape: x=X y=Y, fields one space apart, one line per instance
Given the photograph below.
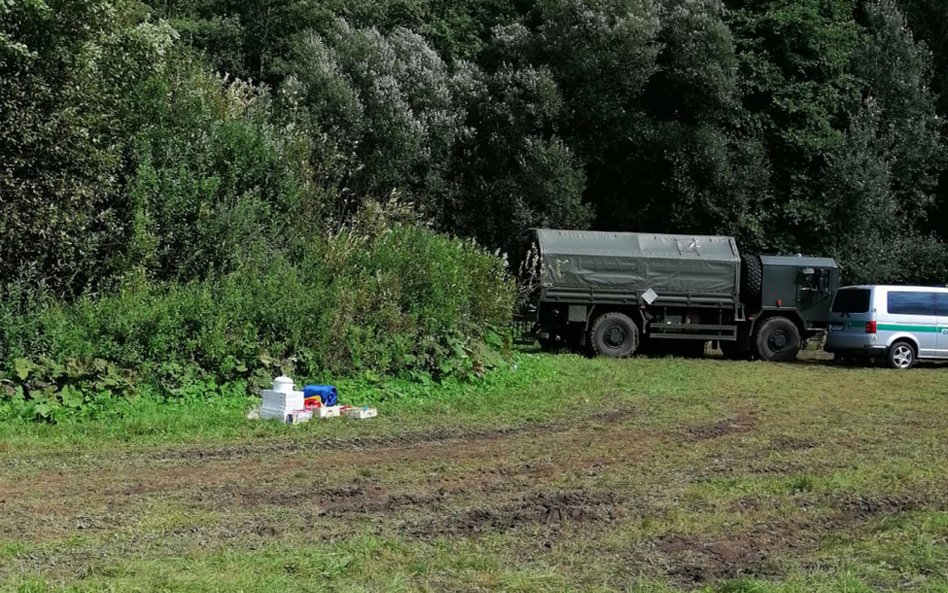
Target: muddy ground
x=687 y=502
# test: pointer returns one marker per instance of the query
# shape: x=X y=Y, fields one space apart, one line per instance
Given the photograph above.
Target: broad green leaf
x=71 y=397
x=42 y=410
x=23 y=367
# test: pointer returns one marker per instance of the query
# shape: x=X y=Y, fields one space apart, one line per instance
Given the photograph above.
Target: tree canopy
x=154 y=136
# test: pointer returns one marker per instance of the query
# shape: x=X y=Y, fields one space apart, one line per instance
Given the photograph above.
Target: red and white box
x=326 y=411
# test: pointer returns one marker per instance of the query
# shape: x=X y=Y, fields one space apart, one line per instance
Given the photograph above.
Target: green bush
x=210 y=170
x=386 y=298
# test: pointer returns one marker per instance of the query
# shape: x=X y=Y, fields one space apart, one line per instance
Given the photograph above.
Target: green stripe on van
x=898 y=327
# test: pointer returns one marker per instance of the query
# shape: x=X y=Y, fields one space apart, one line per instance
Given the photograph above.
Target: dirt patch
x=740 y=424
x=430 y=483
x=857 y=507
x=604 y=499
x=191 y=455
x=754 y=553
x=552 y=508
x=374 y=499
x=791 y=443
x=775 y=468
x=355 y=498
x=412 y=439
x=615 y=415
x=757 y=552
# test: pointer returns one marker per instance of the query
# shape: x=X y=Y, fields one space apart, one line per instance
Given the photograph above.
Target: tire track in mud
x=248 y=477
x=274 y=474
x=196 y=454
x=541 y=484
x=51 y=468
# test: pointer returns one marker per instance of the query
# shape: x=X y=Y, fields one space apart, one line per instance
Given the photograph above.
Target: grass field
x=563 y=474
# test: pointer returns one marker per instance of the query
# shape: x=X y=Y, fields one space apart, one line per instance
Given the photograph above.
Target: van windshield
x=851 y=300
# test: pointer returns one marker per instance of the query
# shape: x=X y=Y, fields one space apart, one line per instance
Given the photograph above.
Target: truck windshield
x=851 y=300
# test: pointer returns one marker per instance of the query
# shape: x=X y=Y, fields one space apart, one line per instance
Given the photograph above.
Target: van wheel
x=614 y=335
x=901 y=355
x=777 y=340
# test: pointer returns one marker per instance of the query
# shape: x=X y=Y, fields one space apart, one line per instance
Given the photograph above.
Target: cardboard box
x=299 y=416
x=361 y=413
x=326 y=411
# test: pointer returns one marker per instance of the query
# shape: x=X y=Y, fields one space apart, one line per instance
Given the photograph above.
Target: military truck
x=614 y=293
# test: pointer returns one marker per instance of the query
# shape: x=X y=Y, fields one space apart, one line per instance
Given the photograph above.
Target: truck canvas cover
x=636 y=262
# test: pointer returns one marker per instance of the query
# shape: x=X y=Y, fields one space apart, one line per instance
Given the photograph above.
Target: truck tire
x=777 y=339
x=614 y=335
x=752 y=279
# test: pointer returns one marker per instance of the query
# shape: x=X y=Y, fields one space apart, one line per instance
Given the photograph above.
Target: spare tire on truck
x=614 y=335
x=752 y=280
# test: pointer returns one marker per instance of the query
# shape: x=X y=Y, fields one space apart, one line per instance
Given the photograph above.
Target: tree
x=68 y=75
x=863 y=229
x=600 y=54
x=798 y=85
x=928 y=20
x=878 y=183
x=896 y=70
x=512 y=171
x=246 y=39
x=381 y=106
x=215 y=176
x=714 y=172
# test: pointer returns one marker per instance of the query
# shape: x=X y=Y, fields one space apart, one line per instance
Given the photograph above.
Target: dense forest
x=160 y=134
x=176 y=149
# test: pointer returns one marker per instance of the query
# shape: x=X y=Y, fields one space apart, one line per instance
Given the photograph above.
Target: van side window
x=911 y=303
x=942 y=303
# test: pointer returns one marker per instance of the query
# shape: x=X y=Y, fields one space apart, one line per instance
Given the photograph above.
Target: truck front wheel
x=777 y=339
x=614 y=335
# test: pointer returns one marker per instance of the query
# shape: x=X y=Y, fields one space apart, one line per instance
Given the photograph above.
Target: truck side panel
x=598 y=264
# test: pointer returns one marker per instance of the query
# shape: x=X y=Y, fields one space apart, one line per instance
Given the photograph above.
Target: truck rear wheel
x=614 y=335
x=778 y=340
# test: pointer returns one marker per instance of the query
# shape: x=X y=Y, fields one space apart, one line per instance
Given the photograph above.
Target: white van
x=897 y=324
